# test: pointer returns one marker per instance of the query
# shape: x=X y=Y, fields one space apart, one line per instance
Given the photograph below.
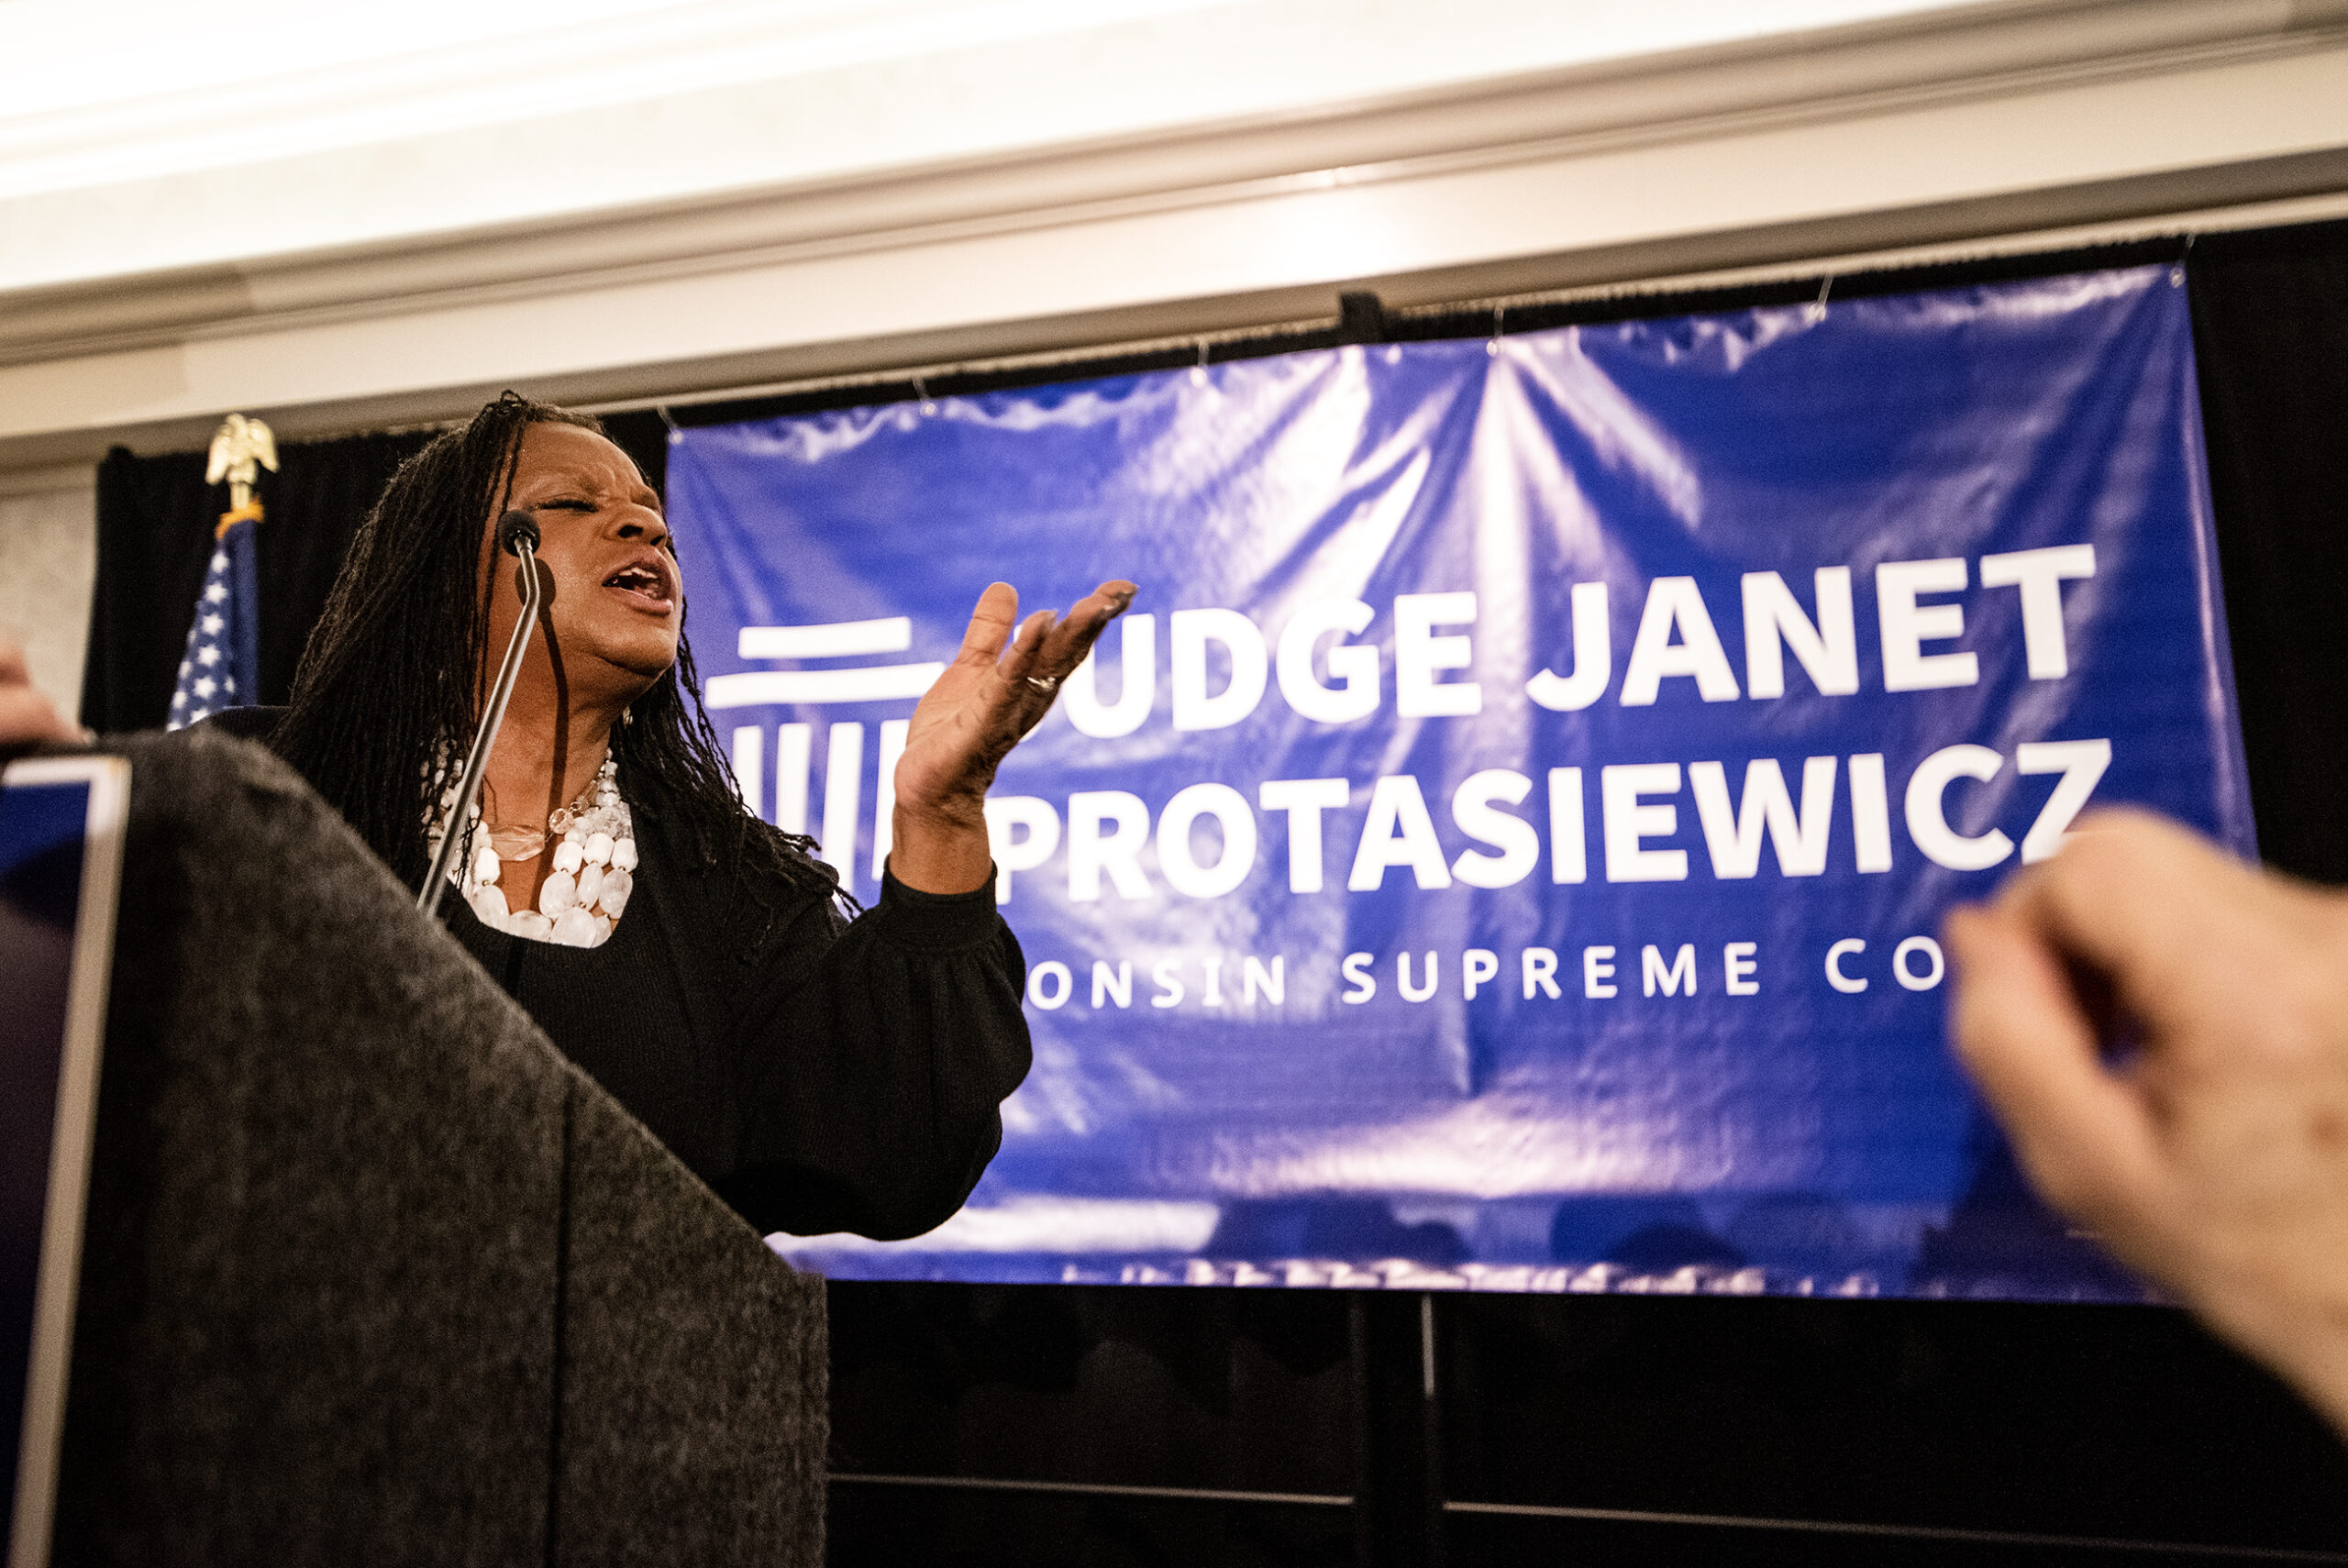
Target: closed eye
x=564 y=506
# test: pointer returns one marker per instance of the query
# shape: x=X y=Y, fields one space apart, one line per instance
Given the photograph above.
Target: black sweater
x=838 y=1075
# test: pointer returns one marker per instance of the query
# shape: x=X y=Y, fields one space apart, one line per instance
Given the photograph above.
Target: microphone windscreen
x=515 y=528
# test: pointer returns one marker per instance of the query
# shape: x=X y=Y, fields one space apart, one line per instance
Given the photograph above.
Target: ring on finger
x=1047 y=684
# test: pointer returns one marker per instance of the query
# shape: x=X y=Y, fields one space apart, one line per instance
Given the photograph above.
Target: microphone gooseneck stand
x=517 y=535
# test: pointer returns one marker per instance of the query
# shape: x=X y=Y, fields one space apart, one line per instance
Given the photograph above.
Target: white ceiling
x=345 y=216
x=140 y=135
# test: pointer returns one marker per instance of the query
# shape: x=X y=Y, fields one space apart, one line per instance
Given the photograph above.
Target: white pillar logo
x=844 y=742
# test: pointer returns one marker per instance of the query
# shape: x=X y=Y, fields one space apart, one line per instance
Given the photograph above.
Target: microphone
x=517 y=536
x=515 y=530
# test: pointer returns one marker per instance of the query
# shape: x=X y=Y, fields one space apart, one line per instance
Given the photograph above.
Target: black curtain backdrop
x=2270 y=329
x=155 y=522
x=981 y=1425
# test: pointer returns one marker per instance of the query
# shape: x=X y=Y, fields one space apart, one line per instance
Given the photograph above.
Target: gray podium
x=372 y=1275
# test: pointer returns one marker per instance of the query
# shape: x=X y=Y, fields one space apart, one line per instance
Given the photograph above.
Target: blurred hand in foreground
x=2210 y=1151
x=28 y=718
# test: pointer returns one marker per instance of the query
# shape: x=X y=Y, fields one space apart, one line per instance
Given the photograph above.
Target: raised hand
x=2213 y=1157
x=978 y=710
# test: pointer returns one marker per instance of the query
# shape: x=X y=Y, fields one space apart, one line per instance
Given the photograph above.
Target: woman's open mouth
x=645 y=583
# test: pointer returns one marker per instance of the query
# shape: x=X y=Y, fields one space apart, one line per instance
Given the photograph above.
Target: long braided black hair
x=392 y=674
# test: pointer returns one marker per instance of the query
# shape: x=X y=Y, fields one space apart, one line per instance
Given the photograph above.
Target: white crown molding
x=51 y=478
x=1852 y=72
x=1950 y=126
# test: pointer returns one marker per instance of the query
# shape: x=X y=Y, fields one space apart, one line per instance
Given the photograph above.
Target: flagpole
x=220 y=663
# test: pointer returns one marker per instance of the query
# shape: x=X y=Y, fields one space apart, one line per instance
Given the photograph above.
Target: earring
x=628 y=715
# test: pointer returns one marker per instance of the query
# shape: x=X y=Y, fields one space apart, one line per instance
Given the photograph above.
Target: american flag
x=220 y=668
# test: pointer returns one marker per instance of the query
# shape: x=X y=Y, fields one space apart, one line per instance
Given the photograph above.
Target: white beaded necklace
x=594 y=863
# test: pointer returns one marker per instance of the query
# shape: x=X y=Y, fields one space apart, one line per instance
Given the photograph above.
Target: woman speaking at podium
x=821 y=1074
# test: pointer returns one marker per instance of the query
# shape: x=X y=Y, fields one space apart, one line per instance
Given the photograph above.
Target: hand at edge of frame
x=28 y=718
x=2210 y=1150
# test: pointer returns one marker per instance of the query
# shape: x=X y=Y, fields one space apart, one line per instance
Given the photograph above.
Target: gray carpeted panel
x=319 y=1293
x=694 y=1423
x=317 y=1298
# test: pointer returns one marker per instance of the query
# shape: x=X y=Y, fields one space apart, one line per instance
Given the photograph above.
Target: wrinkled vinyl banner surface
x=1504 y=843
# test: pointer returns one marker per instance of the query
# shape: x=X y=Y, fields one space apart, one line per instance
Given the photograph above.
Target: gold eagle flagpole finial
x=240 y=448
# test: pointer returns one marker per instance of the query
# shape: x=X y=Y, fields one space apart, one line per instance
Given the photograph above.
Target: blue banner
x=1503 y=846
